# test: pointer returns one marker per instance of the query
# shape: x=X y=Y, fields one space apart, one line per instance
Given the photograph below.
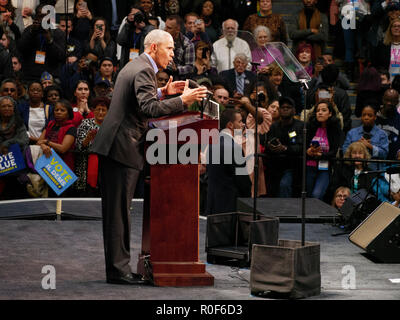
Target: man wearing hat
x=102 y=88
x=284 y=147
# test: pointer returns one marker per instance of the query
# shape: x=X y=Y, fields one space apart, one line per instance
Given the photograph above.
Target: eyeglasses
x=341 y=196
x=9 y=90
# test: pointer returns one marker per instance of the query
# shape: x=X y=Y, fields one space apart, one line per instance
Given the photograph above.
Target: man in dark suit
x=228 y=179
x=135 y=100
x=238 y=79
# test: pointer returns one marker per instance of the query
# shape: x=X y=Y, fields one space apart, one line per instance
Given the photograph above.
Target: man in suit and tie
x=238 y=79
x=118 y=144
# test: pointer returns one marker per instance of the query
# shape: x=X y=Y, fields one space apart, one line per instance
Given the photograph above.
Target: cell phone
x=204 y=53
x=367 y=135
x=83 y=5
x=315 y=143
x=99 y=27
x=324 y=94
x=274 y=141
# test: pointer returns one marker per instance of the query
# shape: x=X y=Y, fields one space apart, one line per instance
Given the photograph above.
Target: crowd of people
x=57 y=84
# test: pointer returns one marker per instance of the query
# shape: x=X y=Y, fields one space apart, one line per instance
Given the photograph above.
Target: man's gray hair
x=242 y=57
x=236 y=24
x=156 y=36
x=262 y=28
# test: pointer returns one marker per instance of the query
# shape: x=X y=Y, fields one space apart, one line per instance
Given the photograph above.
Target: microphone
x=193 y=84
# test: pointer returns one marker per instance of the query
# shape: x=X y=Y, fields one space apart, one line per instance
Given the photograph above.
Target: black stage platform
x=289 y=209
x=75 y=249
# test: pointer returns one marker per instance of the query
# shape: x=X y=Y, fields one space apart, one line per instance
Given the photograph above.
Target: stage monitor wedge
x=379 y=233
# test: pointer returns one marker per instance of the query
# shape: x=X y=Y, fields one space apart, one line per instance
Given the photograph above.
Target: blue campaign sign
x=55 y=172
x=12 y=161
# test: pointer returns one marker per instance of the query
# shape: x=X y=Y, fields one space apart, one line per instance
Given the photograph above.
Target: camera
x=315 y=143
x=198 y=22
x=261 y=97
x=367 y=135
x=99 y=27
x=204 y=53
x=274 y=141
x=138 y=17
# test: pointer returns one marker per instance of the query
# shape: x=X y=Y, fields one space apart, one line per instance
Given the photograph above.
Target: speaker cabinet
x=379 y=233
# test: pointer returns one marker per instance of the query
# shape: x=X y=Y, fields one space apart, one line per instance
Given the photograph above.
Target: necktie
x=229 y=45
x=240 y=83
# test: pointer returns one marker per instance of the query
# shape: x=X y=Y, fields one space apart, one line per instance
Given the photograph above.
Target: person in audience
x=369 y=89
x=261 y=54
x=9 y=88
x=34 y=113
x=202 y=65
x=184 y=52
x=310 y=26
x=373 y=138
x=24 y=12
x=283 y=148
x=106 y=70
x=208 y=12
x=74 y=47
x=81 y=22
x=221 y=96
x=46 y=79
x=41 y=49
x=87 y=164
x=273 y=109
x=12 y=131
x=349 y=174
x=224 y=184
x=52 y=94
x=100 y=40
x=195 y=28
x=238 y=79
x=340 y=196
x=305 y=55
x=324 y=137
x=81 y=102
x=162 y=78
x=102 y=88
x=131 y=37
x=226 y=48
x=60 y=134
x=150 y=11
x=264 y=17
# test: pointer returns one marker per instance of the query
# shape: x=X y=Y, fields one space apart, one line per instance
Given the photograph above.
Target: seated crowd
x=57 y=84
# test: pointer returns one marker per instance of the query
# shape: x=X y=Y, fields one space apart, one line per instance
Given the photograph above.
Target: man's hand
x=172 y=88
x=279 y=148
x=190 y=96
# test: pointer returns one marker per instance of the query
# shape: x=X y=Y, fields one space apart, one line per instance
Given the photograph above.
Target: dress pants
x=117 y=187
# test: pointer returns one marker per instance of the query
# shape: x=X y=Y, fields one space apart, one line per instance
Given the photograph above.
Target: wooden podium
x=170 y=237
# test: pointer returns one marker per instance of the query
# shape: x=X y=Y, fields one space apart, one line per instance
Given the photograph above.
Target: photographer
x=132 y=34
x=202 y=64
x=195 y=29
x=41 y=49
x=101 y=41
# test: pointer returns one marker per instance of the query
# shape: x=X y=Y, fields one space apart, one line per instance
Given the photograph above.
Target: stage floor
x=75 y=249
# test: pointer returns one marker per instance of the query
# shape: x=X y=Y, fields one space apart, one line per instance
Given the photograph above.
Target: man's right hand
x=190 y=96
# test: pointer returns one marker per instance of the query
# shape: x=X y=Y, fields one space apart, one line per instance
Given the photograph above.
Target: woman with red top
x=80 y=105
x=60 y=134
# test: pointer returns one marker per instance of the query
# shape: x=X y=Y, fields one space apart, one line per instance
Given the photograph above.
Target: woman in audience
x=348 y=174
x=209 y=14
x=7 y=20
x=87 y=164
x=80 y=103
x=340 y=196
x=12 y=131
x=273 y=109
x=202 y=64
x=324 y=136
x=374 y=138
x=260 y=54
x=34 y=113
x=81 y=22
x=60 y=134
x=265 y=17
x=100 y=40
x=52 y=94
x=305 y=55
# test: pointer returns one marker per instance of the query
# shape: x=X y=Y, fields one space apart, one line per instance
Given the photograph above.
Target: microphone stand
x=303 y=188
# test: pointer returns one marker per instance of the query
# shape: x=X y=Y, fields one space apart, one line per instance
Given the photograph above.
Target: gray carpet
x=75 y=249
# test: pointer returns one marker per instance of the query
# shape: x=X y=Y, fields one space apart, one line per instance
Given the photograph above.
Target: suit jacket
x=134 y=102
x=224 y=184
x=229 y=79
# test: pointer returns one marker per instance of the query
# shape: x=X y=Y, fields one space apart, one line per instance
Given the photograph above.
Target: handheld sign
x=55 y=172
x=12 y=161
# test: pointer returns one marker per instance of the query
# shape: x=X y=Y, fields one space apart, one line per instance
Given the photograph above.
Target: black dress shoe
x=130 y=278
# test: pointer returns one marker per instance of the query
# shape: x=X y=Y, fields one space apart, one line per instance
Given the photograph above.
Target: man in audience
x=238 y=79
x=184 y=54
x=226 y=48
x=310 y=26
x=9 y=88
x=388 y=119
x=221 y=95
x=284 y=149
x=74 y=48
x=225 y=183
x=41 y=49
x=195 y=28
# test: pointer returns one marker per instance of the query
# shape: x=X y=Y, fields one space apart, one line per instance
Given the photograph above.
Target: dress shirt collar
x=153 y=64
